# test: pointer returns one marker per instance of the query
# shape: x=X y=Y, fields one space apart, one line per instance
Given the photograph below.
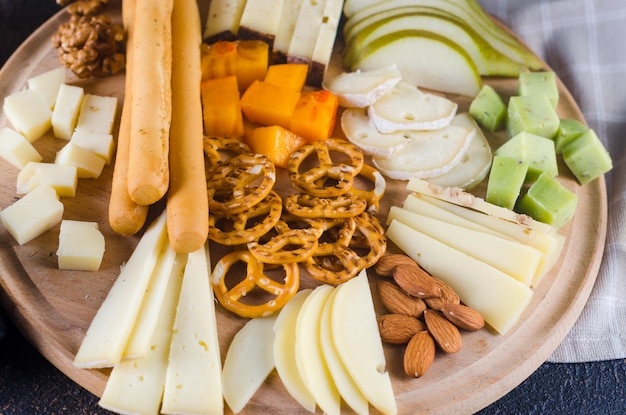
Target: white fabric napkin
x=583 y=41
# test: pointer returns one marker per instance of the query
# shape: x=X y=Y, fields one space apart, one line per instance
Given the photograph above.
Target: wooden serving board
x=54 y=308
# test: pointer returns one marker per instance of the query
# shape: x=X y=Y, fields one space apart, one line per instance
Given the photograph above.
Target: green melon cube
x=532 y=114
x=539 y=83
x=533 y=149
x=488 y=109
x=548 y=201
x=506 y=179
x=569 y=129
x=587 y=157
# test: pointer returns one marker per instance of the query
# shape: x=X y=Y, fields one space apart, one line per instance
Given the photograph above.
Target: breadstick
x=125 y=216
x=148 y=172
x=187 y=200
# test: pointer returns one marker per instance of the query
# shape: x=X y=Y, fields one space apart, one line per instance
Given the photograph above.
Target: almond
x=397 y=301
x=398 y=328
x=445 y=333
x=415 y=281
x=419 y=354
x=448 y=296
x=463 y=317
x=387 y=263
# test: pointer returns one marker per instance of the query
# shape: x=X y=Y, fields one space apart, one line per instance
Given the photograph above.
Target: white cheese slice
x=16 y=149
x=306 y=31
x=33 y=214
x=515 y=259
x=100 y=144
x=260 y=19
x=87 y=164
x=136 y=386
x=47 y=85
x=97 y=114
x=193 y=382
x=29 y=114
x=223 y=18
x=288 y=19
x=361 y=131
x=112 y=325
x=500 y=299
x=66 y=110
x=285 y=351
x=357 y=339
x=323 y=49
x=360 y=89
x=248 y=362
x=63 y=179
x=81 y=246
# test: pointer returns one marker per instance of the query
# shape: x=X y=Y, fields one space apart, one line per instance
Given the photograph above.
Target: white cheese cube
x=98 y=143
x=28 y=113
x=65 y=114
x=33 y=214
x=81 y=246
x=63 y=179
x=97 y=114
x=88 y=164
x=16 y=149
x=47 y=84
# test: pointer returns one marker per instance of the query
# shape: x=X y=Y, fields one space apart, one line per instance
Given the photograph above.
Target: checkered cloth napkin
x=583 y=41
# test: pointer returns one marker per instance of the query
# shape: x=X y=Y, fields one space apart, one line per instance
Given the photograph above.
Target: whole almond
x=387 y=263
x=415 y=281
x=397 y=301
x=445 y=333
x=419 y=354
x=448 y=296
x=463 y=317
x=398 y=328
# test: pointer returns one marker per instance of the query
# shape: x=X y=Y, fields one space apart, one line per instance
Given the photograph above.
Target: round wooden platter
x=54 y=308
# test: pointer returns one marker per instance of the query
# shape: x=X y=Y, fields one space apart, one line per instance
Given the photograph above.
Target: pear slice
x=434 y=62
x=362 y=88
x=361 y=131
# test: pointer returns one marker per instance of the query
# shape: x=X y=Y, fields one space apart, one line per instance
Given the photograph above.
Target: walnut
x=90 y=44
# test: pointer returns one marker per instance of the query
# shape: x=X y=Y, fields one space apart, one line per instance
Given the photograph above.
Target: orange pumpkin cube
x=274 y=142
x=219 y=60
x=291 y=75
x=221 y=108
x=252 y=61
x=315 y=115
x=268 y=104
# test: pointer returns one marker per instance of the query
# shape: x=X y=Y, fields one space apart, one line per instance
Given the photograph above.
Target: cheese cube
x=81 y=246
x=28 y=113
x=33 y=214
x=63 y=179
x=88 y=164
x=97 y=114
x=16 y=149
x=65 y=114
x=47 y=85
x=98 y=143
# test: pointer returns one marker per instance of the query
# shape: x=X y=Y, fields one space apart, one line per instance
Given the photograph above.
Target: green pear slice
x=488 y=60
x=452 y=71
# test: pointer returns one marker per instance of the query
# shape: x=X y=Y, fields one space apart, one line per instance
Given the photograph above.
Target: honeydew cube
x=98 y=143
x=88 y=164
x=16 y=149
x=488 y=109
x=81 y=246
x=539 y=83
x=33 y=214
x=63 y=179
x=97 y=114
x=533 y=114
x=506 y=179
x=587 y=157
x=65 y=113
x=537 y=151
x=47 y=85
x=548 y=201
x=29 y=114
x=569 y=130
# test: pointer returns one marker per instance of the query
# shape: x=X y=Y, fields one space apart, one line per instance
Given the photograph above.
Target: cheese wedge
x=97 y=114
x=81 y=246
x=323 y=49
x=100 y=144
x=16 y=149
x=222 y=22
x=288 y=19
x=47 y=84
x=306 y=30
x=260 y=19
x=28 y=113
x=87 y=163
x=500 y=299
x=66 y=110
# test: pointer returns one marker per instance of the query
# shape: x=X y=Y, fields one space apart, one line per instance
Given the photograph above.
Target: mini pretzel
x=240 y=182
x=343 y=206
x=327 y=178
x=255 y=278
x=248 y=225
x=374 y=195
x=289 y=246
x=218 y=149
x=337 y=262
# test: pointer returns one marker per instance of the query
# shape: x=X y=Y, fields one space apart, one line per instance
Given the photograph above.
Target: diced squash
x=268 y=104
x=252 y=61
x=292 y=75
x=219 y=60
x=274 y=142
x=221 y=108
x=315 y=114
